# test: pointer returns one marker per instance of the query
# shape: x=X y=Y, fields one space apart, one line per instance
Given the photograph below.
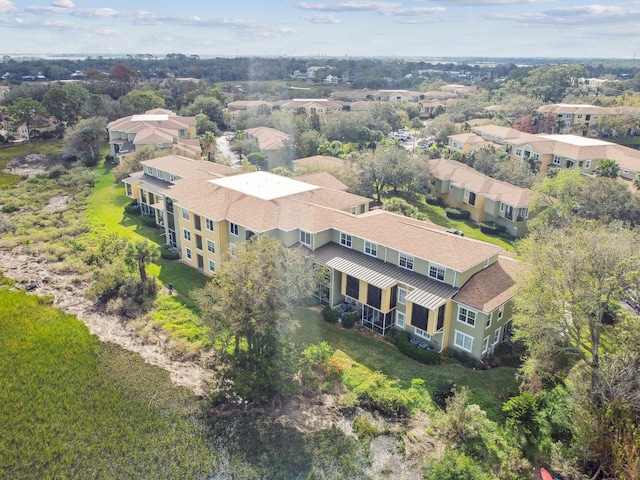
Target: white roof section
x=264 y=185
x=150 y=118
x=576 y=140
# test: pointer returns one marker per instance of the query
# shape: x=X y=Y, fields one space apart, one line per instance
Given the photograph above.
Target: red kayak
x=544 y=474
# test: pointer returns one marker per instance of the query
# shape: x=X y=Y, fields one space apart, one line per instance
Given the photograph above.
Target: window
x=212 y=266
x=211 y=246
x=518 y=152
x=160 y=174
x=463 y=341
x=305 y=238
x=406 y=261
x=371 y=248
x=536 y=156
x=187 y=252
x=496 y=335
x=466 y=315
x=402 y=296
x=354 y=210
x=500 y=312
x=488 y=322
x=208 y=223
x=466 y=194
x=587 y=164
x=345 y=239
x=501 y=206
x=436 y=272
x=400 y=319
x=421 y=333
x=233 y=228
x=185 y=214
x=485 y=345
x=579 y=115
x=556 y=160
x=472 y=198
x=186 y=234
x=172 y=177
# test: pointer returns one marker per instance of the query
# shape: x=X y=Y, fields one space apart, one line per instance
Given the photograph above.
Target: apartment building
x=449 y=291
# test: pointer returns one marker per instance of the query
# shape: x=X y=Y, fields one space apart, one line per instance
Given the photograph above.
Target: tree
x=571 y=277
x=139 y=254
x=27 y=111
x=131 y=163
x=208 y=144
x=607 y=168
x=143 y=100
x=83 y=140
x=124 y=75
x=65 y=101
x=209 y=106
x=253 y=293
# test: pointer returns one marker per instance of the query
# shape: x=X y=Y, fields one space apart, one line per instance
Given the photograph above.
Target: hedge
x=169 y=253
x=491 y=228
x=330 y=315
x=428 y=357
x=455 y=214
x=433 y=200
x=348 y=320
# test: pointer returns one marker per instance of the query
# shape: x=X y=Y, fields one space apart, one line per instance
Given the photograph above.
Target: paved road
x=224 y=152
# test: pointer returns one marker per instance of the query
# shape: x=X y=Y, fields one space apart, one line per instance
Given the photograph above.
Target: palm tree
x=139 y=254
x=208 y=144
x=608 y=168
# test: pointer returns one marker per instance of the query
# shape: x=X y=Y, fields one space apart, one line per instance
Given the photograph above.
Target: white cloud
x=491 y=2
x=381 y=8
x=63 y=4
x=587 y=15
x=6 y=6
x=323 y=19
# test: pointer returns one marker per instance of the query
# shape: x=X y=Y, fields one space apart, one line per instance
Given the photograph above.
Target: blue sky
x=405 y=28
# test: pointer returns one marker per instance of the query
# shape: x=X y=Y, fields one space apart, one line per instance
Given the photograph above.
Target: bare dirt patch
x=34 y=275
x=31 y=165
x=56 y=204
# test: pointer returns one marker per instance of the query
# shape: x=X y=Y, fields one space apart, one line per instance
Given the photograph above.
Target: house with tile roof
x=158 y=127
x=309 y=106
x=447 y=291
x=578 y=119
x=485 y=198
x=551 y=151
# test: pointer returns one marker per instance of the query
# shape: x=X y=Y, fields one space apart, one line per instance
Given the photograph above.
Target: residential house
x=158 y=127
x=448 y=291
x=318 y=163
x=578 y=119
x=236 y=108
x=547 y=152
x=308 y=106
x=485 y=198
x=271 y=142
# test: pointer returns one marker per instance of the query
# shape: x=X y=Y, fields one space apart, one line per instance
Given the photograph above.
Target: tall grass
x=72 y=407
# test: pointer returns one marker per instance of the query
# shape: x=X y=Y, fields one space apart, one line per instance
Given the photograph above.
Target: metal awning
x=424 y=291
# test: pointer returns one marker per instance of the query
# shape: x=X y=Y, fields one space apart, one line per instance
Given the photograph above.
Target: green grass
x=471 y=229
x=486 y=386
x=72 y=407
x=106 y=211
x=8 y=153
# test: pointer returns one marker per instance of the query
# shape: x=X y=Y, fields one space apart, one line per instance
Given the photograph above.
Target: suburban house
x=546 y=151
x=485 y=198
x=158 y=127
x=236 y=108
x=319 y=106
x=448 y=291
x=577 y=119
x=271 y=142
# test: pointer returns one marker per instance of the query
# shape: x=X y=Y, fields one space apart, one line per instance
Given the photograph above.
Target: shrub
x=491 y=228
x=132 y=208
x=464 y=358
x=433 y=200
x=169 y=253
x=329 y=315
x=455 y=214
x=509 y=354
x=348 y=320
x=10 y=207
x=428 y=357
x=148 y=221
x=392 y=336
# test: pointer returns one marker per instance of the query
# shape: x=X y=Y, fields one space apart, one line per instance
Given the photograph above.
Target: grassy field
x=106 y=211
x=72 y=407
x=8 y=153
x=471 y=229
x=486 y=386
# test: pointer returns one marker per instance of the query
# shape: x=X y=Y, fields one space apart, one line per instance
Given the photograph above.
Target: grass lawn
x=471 y=229
x=485 y=386
x=106 y=210
x=8 y=153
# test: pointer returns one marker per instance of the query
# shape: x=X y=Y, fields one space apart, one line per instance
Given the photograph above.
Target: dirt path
x=70 y=298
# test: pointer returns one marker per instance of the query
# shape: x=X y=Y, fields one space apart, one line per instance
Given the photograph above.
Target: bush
x=464 y=358
x=509 y=354
x=329 y=315
x=348 y=320
x=433 y=200
x=149 y=221
x=169 y=253
x=491 y=228
x=428 y=357
x=10 y=207
x=132 y=208
x=455 y=214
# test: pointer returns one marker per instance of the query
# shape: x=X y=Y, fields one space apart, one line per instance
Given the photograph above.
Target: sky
x=335 y=28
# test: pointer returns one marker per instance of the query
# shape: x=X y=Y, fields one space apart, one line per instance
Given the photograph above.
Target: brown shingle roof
x=268 y=138
x=463 y=176
x=491 y=287
x=323 y=179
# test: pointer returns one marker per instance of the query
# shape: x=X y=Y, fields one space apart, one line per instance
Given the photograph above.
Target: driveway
x=223 y=151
